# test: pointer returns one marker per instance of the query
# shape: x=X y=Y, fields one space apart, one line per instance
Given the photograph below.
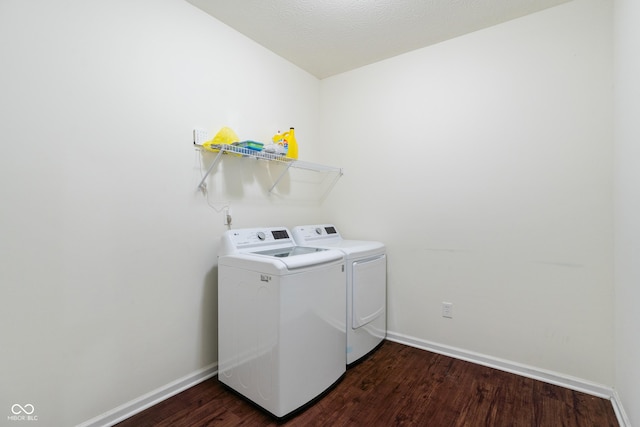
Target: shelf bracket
x=281 y=175
x=333 y=183
x=201 y=186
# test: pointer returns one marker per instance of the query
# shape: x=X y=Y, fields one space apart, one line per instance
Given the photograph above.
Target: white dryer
x=281 y=318
x=366 y=286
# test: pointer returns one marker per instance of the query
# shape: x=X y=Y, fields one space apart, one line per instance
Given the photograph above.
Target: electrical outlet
x=200 y=136
x=447 y=310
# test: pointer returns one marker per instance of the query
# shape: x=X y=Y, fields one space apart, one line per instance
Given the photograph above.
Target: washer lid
x=290 y=251
x=301 y=256
x=274 y=245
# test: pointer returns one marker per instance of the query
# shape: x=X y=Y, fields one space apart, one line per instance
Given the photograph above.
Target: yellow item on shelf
x=292 y=149
x=225 y=136
x=278 y=138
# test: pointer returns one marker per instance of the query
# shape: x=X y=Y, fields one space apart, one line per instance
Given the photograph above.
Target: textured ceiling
x=327 y=37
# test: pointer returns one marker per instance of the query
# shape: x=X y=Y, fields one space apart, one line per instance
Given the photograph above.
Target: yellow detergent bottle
x=292 y=149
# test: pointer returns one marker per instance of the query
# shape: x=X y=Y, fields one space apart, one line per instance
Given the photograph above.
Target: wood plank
x=399 y=386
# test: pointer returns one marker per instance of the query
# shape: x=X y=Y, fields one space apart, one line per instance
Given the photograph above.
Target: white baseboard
x=550 y=377
x=135 y=406
x=154 y=397
x=623 y=419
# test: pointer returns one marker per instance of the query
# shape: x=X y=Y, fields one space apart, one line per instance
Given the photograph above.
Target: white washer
x=281 y=318
x=366 y=285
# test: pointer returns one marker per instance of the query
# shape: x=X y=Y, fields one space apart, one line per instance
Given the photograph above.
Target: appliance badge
x=265 y=278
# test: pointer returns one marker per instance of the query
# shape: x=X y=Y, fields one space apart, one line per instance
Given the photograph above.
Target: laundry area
x=164 y=170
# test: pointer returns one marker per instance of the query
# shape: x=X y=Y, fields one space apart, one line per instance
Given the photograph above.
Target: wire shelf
x=263 y=155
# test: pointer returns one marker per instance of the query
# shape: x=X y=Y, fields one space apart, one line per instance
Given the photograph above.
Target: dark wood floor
x=399 y=386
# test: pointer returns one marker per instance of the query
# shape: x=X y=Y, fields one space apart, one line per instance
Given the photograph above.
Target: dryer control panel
x=316 y=233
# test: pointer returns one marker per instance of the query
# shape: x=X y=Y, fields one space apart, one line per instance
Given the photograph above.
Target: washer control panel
x=257 y=236
x=248 y=238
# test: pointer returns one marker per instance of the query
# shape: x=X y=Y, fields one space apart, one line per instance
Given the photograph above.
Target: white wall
x=107 y=254
x=485 y=165
x=627 y=207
